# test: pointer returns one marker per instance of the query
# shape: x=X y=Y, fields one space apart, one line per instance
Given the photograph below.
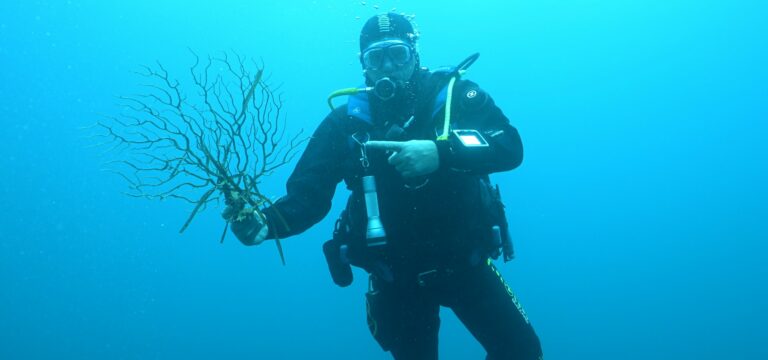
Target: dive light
x=375 y=235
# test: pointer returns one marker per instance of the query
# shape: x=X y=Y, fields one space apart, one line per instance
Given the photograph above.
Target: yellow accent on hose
x=448 y=101
x=342 y=92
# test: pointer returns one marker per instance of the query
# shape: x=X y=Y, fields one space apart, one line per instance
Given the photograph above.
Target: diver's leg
x=486 y=305
x=403 y=320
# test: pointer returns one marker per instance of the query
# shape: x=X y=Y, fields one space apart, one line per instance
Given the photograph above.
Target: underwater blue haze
x=640 y=213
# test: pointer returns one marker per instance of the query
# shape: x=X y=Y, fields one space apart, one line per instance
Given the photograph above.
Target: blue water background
x=639 y=214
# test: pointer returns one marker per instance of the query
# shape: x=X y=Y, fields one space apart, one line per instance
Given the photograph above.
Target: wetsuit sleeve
x=311 y=186
x=474 y=109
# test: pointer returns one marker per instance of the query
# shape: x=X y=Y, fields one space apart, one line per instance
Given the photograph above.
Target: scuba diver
x=415 y=148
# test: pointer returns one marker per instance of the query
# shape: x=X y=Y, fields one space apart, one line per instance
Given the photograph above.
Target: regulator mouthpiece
x=385 y=88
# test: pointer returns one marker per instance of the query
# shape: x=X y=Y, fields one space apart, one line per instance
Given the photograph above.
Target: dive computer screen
x=470 y=138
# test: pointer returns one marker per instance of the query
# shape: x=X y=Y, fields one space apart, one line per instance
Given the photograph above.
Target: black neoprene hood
x=387 y=26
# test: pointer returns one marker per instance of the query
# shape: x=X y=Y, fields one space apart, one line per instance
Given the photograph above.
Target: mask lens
x=373 y=58
x=399 y=54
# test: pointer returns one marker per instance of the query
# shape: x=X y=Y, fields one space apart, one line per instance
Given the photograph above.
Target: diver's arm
x=474 y=109
x=311 y=186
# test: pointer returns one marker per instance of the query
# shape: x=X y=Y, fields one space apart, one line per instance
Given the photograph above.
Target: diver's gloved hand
x=410 y=158
x=247 y=225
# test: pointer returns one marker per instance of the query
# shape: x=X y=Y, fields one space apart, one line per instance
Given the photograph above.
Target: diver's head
x=388 y=53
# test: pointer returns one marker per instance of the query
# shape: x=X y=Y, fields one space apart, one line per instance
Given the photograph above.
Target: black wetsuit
x=438 y=226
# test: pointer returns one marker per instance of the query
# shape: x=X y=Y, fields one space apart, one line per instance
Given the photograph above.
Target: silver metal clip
x=362 y=139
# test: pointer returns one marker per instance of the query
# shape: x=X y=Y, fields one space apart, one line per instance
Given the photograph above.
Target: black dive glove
x=247 y=225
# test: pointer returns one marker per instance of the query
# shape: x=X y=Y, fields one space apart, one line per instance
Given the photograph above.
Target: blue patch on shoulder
x=359 y=107
x=440 y=100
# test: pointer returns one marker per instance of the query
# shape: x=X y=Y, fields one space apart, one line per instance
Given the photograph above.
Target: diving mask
x=397 y=51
